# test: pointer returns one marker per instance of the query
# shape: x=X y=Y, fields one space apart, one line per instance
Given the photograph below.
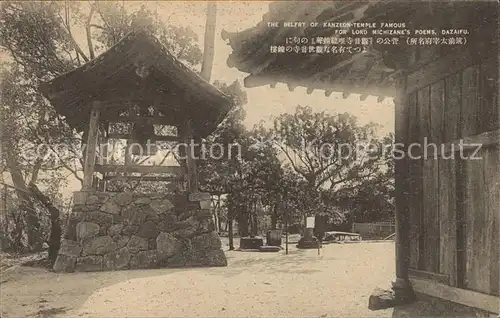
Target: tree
x=331 y=154
x=208 y=52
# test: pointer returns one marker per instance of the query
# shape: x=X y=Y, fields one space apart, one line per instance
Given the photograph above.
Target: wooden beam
x=91 y=147
x=145 y=178
x=441 y=68
x=153 y=138
x=486 y=139
x=457 y=295
x=171 y=186
x=142 y=119
x=137 y=169
x=440 y=278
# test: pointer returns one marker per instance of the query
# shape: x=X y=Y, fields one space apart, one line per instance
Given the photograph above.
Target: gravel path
x=336 y=283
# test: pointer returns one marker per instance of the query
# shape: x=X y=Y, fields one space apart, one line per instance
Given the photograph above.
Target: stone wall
x=108 y=231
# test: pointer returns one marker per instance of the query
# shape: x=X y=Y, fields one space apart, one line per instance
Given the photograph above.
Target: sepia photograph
x=319 y=159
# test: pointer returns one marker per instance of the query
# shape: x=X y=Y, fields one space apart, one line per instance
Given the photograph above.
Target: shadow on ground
x=427 y=306
x=38 y=292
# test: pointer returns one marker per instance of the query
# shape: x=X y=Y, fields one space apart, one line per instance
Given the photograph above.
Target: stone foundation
x=109 y=231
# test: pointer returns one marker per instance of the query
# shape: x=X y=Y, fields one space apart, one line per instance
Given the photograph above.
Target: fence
x=374 y=231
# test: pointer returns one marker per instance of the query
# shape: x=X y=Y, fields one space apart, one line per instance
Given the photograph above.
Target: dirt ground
x=336 y=283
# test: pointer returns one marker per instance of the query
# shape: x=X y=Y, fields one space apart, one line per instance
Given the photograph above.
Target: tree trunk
x=243 y=224
x=254 y=222
x=230 y=226
x=219 y=222
x=208 y=50
x=215 y=217
x=55 y=224
x=274 y=216
x=33 y=231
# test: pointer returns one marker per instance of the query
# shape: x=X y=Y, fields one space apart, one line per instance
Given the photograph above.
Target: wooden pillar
x=402 y=196
x=104 y=153
x=496 y=48
x=128 y=146
x=190 y=159
x=91 y=148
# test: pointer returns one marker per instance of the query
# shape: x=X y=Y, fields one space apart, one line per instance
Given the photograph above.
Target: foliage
x=332 y=157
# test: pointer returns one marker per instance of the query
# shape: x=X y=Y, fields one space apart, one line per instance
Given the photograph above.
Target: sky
x=263 y=102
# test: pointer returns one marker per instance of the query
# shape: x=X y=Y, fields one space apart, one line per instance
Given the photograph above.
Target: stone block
x=161 y=206
x=115 y=229
x=90 y=208
x=104 y=196
x=136 y=244
x=148 y=230
x=130 y=230
x=186 y=214
x=156 y=195
x=116 y=260
x=205 y=204
x=203 y=214
x=117 y=219
x=166 y=226
x=74 y=219
x=111 y=207
x=216 y=258
x=152 y=243
x=89 y=264
x=132 y=215
x=181 y=224
x=273 y=237
x=177 y=260
x=251 y=243
x=192 y=221
x=184 y=233
x=80 y=197
x=381 y=299
x=103 y=230
x=269 y=248
x=167 y=246
x=205 y=226
x=103 y=219
x=70 y=248
x=142 y=201
x=85 y=230
x=149 y=212
x=123 y=198
x=207 y=241
x=64 y=264
x=121 y=240
x=199 y=196
x=92 y=199
x=144 y=259
x=99 y=245
x=77 y=208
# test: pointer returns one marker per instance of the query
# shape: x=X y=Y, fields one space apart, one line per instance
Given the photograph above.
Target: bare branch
x=78 y=50
x=36 y=169
x=87 y=30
